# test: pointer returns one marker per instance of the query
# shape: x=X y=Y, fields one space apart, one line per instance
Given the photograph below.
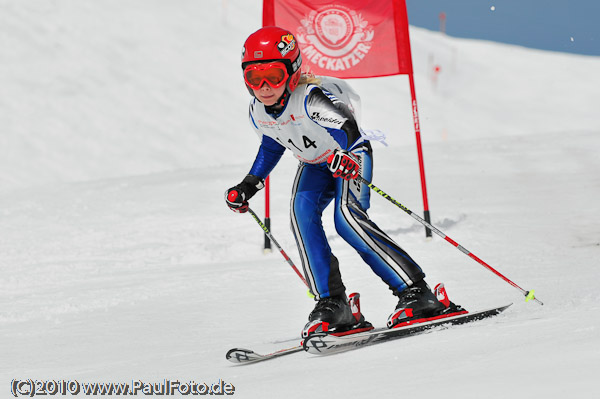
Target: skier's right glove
x=237 y=197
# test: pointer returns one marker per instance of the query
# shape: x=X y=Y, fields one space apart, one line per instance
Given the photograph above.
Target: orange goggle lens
x=275 y=74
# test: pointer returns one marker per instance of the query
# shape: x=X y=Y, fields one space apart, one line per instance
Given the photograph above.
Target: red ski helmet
x=270 y=44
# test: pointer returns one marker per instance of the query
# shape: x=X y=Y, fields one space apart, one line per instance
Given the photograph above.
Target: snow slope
x=124 y=121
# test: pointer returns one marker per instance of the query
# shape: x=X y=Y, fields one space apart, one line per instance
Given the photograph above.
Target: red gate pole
x=443 y=22
x=415 y=113
x=267 y=20
x=403 y=35
x=267 y=247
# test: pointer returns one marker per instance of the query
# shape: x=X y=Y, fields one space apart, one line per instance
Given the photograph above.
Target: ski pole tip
x=309 y=294
x=530 y=295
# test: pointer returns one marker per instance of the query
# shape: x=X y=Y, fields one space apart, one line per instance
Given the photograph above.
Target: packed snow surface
x=123 y=122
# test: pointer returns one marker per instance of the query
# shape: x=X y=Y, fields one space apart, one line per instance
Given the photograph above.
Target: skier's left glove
x=343 y=164
x=237 y=197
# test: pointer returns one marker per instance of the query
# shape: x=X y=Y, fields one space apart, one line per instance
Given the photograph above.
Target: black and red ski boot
x=418 y=304
x=337 y=316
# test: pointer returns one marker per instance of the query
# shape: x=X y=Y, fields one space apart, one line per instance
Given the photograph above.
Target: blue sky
x=557 y=25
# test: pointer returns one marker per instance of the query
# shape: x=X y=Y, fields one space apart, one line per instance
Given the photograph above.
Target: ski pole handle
x=529 y=295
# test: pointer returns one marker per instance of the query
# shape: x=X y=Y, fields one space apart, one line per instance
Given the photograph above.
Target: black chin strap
x=278 y=106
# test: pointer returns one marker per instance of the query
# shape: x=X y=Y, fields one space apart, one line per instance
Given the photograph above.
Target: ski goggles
x=274 y=73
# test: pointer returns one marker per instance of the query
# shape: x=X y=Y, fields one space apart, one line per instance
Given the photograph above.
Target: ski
x=323 y=344
x=245 y=356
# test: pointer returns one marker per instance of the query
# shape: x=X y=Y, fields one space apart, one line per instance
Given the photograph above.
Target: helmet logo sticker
x=287 y=44
x=258 y=54
x=335 y=37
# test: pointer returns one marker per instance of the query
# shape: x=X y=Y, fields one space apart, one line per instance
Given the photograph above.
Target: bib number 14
x=307 y=143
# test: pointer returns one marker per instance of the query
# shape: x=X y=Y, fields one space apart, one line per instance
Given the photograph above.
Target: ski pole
x=287 y=258
x=529 y=295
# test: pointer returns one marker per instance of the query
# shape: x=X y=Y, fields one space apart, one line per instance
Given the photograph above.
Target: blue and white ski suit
x=314 y=122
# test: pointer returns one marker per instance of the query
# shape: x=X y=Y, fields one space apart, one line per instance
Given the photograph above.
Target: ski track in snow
x=120 y=262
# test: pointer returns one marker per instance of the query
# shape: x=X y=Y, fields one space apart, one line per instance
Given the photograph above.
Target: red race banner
x=346 y=38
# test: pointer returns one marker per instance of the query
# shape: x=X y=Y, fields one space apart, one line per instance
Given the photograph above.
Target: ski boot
x=337 y=316
x=418 y=304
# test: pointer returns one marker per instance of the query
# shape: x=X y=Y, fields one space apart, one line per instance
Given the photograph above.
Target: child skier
x=315 y=118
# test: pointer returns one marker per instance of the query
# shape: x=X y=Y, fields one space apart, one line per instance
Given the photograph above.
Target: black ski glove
x=237 y=197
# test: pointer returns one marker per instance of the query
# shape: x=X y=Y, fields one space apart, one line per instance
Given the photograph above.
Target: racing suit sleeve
x=335 y=116
x=269 y=154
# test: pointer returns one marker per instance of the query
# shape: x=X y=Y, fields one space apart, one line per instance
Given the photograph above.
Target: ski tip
x=231 y=353
x=503 y=308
